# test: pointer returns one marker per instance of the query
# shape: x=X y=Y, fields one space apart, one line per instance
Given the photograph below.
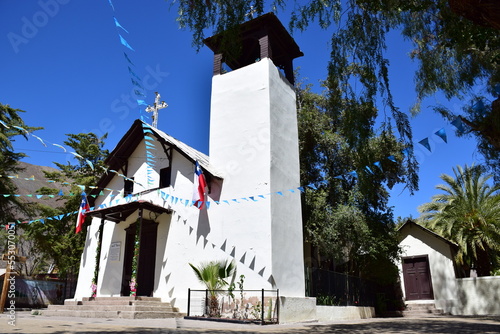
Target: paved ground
x=27 y=323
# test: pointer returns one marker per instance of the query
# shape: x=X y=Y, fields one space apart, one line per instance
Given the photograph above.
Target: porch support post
x=140 y=239
x=98 y=252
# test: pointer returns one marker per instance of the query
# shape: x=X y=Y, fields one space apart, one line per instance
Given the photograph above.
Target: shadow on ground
x=396 y=325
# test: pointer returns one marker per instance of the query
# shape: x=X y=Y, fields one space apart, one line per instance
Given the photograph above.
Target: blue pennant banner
x=117 y=24
x=128 y=59
x=457 y=122
x=125 y=43
x=425 y=143
x=442 y=134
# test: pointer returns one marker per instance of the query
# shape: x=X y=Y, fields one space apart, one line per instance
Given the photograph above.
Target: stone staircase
x=418 y=310
x=114 y=307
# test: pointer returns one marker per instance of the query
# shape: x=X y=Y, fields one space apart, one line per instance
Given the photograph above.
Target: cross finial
x=154 y=109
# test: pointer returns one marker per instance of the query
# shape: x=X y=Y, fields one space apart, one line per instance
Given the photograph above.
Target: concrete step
x=115 y=307
x=415 y=310
x=112 y=314
x=116 y=300
x=86 y=307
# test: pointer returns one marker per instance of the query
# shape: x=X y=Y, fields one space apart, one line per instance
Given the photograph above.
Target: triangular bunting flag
x=478 y=107
x=124 y=42
x=425 y=143
x=138 y=93
x=458 y=124
x=442 y=134
x=119 y=25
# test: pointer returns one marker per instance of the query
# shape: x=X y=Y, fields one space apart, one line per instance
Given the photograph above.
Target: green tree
x=56 y=238
x=11 y=127
x=468 y=213
x=347 y=218
x=453 y=54
x=213 y=275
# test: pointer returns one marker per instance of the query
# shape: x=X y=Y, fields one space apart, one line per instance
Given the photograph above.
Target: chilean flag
x=84 y=207
x=200 y=187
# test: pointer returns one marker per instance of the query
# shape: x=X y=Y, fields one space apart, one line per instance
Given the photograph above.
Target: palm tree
x=213 y=274
x=468 y=213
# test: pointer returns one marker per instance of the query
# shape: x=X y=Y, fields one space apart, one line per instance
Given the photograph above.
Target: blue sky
x=62 y=62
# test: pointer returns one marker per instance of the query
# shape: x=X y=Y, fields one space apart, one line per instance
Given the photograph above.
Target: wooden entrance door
x=417 y=278
x=147 y=259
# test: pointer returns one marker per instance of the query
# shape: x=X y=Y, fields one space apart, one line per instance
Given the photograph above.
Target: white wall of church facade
x=188 y=235
x=87 y=263
x=440 y=263
x=254 y=144
x=285 y=169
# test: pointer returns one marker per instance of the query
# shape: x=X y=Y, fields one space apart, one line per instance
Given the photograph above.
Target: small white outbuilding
x=427 y=267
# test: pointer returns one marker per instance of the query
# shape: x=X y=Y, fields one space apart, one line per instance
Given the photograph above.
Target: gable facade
x=427 y=271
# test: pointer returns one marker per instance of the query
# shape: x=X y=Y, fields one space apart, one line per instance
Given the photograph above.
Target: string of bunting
x=140 y=94
x=149 y=142
x=150 y=157
x=138 y=89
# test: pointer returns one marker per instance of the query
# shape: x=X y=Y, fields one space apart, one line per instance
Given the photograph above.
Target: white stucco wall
x=416 y=242
x=254 y=142
x=478 y=296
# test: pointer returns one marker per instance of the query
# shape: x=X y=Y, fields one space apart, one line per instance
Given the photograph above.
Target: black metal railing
x=256 y=306
x=332 y=288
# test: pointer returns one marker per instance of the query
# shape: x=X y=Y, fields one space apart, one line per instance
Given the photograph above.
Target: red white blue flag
x=200 y=187
x=84 y=208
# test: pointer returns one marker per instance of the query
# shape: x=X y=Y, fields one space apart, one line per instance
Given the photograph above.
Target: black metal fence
x=259 y=306
x=332 y=288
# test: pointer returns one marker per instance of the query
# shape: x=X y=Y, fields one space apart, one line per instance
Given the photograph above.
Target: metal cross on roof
x=154 y=109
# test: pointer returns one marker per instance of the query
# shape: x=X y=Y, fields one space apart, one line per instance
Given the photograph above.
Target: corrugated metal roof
x=192 y=153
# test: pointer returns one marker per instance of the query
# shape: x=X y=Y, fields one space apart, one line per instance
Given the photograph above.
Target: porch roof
x=119 y=213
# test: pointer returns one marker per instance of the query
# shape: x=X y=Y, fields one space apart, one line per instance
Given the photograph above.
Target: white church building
x=254 y=156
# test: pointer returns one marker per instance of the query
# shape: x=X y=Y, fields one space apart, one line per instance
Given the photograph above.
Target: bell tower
x=254 y=142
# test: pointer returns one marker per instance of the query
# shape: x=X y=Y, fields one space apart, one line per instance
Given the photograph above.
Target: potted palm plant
x=213 y=275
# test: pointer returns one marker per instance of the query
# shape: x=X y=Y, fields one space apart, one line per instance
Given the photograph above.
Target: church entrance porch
x=146 y=260
x=142 y=246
